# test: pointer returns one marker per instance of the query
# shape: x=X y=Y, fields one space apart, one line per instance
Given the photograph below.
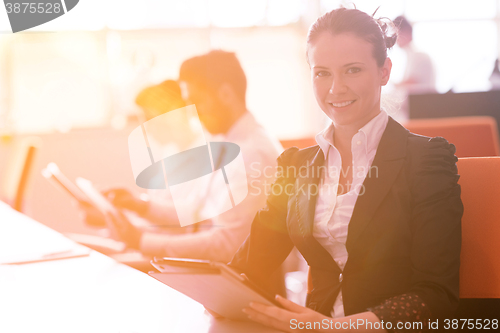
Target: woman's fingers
x=91 y=215
x=289 y=305
x=282 y=319
x=267 y=319
x=126 y=232
x=121 y=197
x=273 y=316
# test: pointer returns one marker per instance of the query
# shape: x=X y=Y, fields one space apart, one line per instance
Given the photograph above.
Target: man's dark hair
x=210 y=71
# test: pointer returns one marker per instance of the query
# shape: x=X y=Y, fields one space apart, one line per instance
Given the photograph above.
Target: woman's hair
x=161 y=98
x=381 y=33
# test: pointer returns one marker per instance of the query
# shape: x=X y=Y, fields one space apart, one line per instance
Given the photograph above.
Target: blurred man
x=419 y=75
x=216 y=84
x=495 y=76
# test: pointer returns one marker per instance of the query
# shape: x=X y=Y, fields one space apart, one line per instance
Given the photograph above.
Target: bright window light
x=386 y=8
x=282 y=12
x=422 y=10
x=230 y=13
x=463 y=52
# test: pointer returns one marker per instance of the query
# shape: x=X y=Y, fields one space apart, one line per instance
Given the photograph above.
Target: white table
x=90 y=294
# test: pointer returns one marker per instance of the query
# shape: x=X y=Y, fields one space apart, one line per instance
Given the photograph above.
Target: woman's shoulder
x=420 y=146
x=432 y=156
x=417 y=144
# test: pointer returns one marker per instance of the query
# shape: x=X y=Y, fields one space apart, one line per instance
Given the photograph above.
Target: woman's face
x=346 y=78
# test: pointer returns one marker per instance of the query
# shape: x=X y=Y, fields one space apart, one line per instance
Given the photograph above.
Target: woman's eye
x=353 y=70
x=322 y=73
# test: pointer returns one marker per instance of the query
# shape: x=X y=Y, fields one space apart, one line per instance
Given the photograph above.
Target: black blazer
x=404 y=235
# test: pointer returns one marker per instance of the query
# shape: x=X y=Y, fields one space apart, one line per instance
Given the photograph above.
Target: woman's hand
x=125 y=230
x=123 y=198
x=120 y=198
x=91 y=215
x=286 y=319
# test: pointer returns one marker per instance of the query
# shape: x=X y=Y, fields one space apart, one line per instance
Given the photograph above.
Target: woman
x=375 y=210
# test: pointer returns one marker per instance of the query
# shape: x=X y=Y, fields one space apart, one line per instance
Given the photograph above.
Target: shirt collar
x=373 y=131
x=325 y=138
x=371 y=134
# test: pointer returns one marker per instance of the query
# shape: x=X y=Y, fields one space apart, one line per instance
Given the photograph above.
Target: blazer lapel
x=386 y=165
x=307 y=189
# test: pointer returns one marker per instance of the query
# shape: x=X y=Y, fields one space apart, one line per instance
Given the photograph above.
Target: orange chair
x=299 y=143
x=472 y=136
x=15 y=182
x=479 y=262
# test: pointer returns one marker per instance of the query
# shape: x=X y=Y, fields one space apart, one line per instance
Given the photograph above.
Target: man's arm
x=227 y=231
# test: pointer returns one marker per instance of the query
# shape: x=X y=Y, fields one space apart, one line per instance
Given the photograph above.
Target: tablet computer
x=99 y=201
x=85 y=192
x=215 y=285
x=53 y=174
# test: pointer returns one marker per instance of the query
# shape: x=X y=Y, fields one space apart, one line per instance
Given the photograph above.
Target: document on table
x=23 y=240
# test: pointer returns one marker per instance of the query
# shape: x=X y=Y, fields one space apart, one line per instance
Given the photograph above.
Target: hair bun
x=389 y=31
x=390 y=41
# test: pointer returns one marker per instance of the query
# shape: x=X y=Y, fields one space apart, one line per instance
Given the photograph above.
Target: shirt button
x=340 y=298
x=339 y=262
x=341 y=277
x=358 y=142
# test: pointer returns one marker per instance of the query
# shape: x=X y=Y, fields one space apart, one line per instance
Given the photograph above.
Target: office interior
x=68 y=88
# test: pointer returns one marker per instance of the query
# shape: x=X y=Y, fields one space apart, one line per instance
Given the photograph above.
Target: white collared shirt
x=333 y=212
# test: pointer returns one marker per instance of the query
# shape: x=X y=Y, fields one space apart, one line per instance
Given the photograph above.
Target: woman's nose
x=338 y=87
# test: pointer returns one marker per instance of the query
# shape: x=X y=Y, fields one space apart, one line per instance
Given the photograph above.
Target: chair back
x=472 y=136
x=479 y=259
x=299 y=143
x=17 y=175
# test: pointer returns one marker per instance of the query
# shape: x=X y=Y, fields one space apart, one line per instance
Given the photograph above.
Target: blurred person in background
x=495 y=76
x=216 y=83
x=419 y=76
x=160 y=99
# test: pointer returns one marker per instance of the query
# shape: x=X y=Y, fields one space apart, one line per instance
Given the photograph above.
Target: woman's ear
x=386 y=71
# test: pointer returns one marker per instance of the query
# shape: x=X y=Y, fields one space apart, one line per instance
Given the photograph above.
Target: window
x=105 y=51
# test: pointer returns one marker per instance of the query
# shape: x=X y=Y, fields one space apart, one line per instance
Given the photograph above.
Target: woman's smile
x=342 y=104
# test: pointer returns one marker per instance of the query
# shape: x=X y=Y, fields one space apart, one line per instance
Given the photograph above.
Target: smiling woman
x=383 y=247
x=346 y=78
x=347 y=54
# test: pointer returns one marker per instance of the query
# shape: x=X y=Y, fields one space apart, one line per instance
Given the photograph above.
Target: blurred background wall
x=73 y=81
